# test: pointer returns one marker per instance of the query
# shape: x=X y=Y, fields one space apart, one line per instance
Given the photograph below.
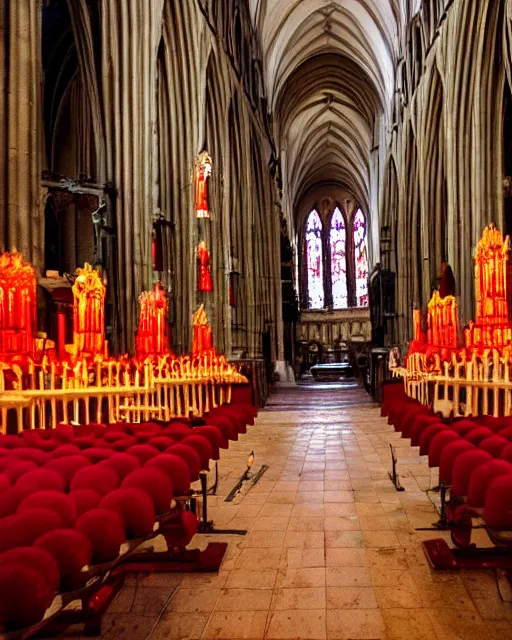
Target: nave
x=332 y=550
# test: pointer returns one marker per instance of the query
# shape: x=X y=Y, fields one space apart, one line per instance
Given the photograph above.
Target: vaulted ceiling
x=329 y=69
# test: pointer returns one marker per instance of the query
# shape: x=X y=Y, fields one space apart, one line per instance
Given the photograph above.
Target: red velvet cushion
x=122 y=464
x=155 y=483
x=18 y=468
x=85 y=442
x=176 y=470
x=475 y=436
x=124 y=444
x=225 y=425
x=448 y=456
x=105 y=531
x=190 y=456
x=214 y=435
x=41 y=479
x=437 y=444
x=463 y=468
x=114 y=436
x=182 y=532
x=35 y=455
x=482 y=477
x=85 y=499
x=177 y=431
x=494 y=445
x=161 y=442
x=136 y=509
x=11 y=442
x=97 y=477
x=498 y=503
x=37 y=558
x=61 y=503
x=506 y=453
x=63 y=433
x=95 y=454
x=66 y=450
x=24 y=595
x=203 y=447
x=5 y=483
x=68 y=466
x=71 y=549
x=143 y=452
x=23 y=529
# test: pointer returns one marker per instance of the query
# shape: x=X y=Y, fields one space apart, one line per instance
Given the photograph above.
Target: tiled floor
x=331 y=550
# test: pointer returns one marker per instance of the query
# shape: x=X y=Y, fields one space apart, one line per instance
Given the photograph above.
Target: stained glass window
x=361 y=258
x=338 y=242
x=314 y=261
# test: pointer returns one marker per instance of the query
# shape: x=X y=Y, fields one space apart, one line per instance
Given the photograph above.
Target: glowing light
x=17 y=305
x=338 y=241
x=89 y=312
x=314 y=259
x=152 y=337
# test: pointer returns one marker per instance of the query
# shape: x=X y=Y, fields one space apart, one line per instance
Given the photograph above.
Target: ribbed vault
x=329 y=70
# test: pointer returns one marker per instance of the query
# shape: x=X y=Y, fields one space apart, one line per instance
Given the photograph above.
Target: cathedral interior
x=256 y=319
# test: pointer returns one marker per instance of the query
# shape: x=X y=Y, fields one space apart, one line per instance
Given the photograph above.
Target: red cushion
x=143 y=452
x=41 y=479
x=122 y=464
x=136 y=509
x=214 y=435
x=437 y=445
x=105 y=531
x=177 y=430
x=448 y=457
x=11 y=442
x=506 y=453
x=114 y=436
x=475 y=436
x=18 y=468
x=71 y=549
x=482 y=477
x=494 y=445
x=63 y=433
x=23 y=529
x=37 y=558
x=61 y=503
x=97 y=477
x=498 y=503
x=428 y=434
x=225 y=425
x=124 y=444
x=463 y=469
x=421 y=422
x=4 y=483
x=175 y=468
x=24 y=595
x=35 y=455
x=85 y=442
x=203 y=447
x=68 y=466
x=96 y=454
x=155 y=484
x=66 y=450
x=464 y=426
x=85 y=499
x=181 y=532
x=190 y=456
x=161 y=442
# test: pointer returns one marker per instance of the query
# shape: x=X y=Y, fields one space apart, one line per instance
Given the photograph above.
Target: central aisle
x=331 y=550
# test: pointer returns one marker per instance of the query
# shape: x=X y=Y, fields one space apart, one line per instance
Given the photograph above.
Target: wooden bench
x=333 y=371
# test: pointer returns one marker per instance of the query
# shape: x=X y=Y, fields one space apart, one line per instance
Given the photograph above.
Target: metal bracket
x=394 y=477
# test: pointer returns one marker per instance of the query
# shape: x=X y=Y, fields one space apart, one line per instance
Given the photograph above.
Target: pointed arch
x=314 y=261
x=338 y=255
x=360 y=236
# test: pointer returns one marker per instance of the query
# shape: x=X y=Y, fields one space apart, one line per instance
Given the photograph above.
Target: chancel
x=256 y=319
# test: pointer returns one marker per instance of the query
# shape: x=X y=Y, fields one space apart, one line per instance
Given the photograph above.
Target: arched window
x=359 y=230
x=338 y=243
x=314 y=260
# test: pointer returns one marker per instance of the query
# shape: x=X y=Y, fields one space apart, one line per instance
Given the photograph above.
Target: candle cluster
x=442 y=321
x=89 y=312
x=152 y=336
x=17 y=305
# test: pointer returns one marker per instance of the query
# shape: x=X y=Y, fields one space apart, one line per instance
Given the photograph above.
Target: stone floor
x=331 y=550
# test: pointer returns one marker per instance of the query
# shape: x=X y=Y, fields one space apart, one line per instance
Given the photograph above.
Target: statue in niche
x=205 y=278
x=203 y=172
